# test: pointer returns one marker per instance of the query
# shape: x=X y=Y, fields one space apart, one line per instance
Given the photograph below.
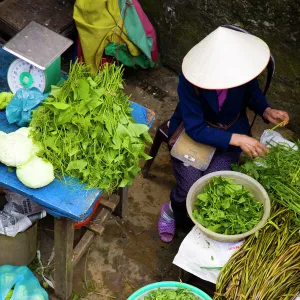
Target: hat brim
x=225 y=59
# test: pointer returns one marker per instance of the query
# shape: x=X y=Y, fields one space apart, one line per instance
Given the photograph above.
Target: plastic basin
x=249 y=183
x=145 y=291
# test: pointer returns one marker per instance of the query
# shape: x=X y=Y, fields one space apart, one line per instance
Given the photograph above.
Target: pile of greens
x=86 y=130
x=227 y=208
x=179 y=294
x=279 y=173
x=266 y=266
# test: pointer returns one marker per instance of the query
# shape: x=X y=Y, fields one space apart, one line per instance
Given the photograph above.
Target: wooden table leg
x=63 y=272
x=121 y=209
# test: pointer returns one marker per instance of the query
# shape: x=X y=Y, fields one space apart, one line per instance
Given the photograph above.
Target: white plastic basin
x=249 y=183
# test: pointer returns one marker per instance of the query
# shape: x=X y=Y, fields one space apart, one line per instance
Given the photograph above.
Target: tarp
x=122 y=22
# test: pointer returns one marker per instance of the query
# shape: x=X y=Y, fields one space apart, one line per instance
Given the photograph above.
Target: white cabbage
x=35 y=147
x=24 y=131
x=15 y=148
x=2 y=135
x=36 y=173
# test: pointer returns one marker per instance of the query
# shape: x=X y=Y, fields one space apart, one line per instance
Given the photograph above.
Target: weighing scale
x=39 y=52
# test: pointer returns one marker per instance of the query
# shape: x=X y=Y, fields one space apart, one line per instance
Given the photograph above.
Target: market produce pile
x=17 y=149
x=279 y=173
x=227 y=208
x=167 y=294
x=267 y=265
x=85 y=129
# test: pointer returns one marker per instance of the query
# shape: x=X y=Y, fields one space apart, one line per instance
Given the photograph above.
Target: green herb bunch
x=85 y=129
x=167 y=294
x=227 y=208
x=279 y=173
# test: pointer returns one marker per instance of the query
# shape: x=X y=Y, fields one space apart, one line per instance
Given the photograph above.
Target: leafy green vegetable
x=86 y=129
x=167 y=294
x=5 y=98
x=227 y=208
x=279 y=173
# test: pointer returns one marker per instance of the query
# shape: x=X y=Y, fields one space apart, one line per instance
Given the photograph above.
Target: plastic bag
x=25 y=285
x=271 y=138
x=20 y=204
x=18 y=214
x=20 y=108
x=202 y=256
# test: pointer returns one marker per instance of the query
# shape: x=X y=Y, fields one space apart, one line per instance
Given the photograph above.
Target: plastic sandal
x=166 y=229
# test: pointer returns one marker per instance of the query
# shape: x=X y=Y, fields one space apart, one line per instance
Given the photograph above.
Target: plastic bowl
x=249 y=183
x=145 y=291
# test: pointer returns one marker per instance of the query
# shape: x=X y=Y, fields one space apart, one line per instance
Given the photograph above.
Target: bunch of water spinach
x=226 y=207
x=85 y=129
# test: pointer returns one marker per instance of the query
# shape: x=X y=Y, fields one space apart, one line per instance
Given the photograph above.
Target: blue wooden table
x=67 y=200
x=62 y=198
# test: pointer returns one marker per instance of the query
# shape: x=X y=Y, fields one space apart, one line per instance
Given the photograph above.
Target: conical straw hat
x=226 y=58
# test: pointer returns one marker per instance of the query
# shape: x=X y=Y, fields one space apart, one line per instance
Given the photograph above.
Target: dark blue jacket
x=195 y=111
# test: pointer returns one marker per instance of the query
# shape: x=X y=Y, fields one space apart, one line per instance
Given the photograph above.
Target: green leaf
x=73 y=151
x=99 y=92
x=58 y=105
x=77 y=165
x=137 y=129
x=50 y=142
x=91 y=82
x=145 y=155
x=91 y=105
x=134 y=170
x=55 y=91
x=65 y=117
x=124 y=183
x=147 y=137
x=83 y=89
x=122 y=131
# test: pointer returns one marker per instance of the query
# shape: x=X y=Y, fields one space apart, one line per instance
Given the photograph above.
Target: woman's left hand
x=276 y=116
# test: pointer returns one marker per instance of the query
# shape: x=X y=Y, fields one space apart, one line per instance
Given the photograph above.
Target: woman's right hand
x=249 y=145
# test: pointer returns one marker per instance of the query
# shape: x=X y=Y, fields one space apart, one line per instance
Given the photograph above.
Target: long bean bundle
x=267 y=266
x=86 y=130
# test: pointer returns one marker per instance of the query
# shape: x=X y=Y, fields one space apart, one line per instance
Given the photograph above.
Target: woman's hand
x=276 y=116
x=249 y=145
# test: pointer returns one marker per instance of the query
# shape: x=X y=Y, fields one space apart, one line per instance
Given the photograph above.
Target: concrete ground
x=129 y=254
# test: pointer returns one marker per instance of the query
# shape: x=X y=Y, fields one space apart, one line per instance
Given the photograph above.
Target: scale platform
x=38 y=45
x=38 y=50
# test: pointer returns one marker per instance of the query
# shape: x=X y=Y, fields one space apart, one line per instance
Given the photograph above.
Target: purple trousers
x=187 y=176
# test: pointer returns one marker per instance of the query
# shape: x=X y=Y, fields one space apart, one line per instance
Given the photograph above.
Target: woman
x=218 y=83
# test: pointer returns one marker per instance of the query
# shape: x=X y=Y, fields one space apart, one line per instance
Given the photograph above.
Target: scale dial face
x=21 y=74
